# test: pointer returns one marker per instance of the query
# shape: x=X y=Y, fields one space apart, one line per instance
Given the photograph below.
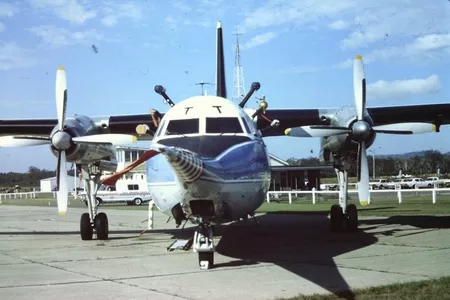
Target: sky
x=301 y=51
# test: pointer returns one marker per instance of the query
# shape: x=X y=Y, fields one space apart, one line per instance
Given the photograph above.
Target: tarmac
x=43 y=257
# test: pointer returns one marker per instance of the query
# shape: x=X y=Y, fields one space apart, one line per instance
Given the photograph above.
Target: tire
x=336 y=218
x=352 y=218
x=101 y=226
x=137 y=201
x=86 y=230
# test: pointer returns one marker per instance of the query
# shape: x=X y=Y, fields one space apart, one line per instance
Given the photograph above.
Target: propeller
x=62 y=140
x=360 y=130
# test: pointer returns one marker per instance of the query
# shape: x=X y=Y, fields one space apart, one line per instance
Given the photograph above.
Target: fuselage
x=216 y=165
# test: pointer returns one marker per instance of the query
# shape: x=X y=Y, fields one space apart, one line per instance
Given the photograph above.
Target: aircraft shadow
x=420 y=221
x=301 y=244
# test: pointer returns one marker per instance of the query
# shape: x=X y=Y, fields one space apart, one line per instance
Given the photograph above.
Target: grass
x=428 y=289
x=381 y=206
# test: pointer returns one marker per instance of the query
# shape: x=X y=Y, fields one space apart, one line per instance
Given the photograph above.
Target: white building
x=49 y=184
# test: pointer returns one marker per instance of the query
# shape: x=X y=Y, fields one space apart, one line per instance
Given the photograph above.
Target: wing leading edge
x=438 y=114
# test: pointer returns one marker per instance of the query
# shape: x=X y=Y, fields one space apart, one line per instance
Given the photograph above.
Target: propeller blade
x=359 y=86
x=61 y=179
x=108 y=139
x=111 y=180
x=61 y=96
x=363 y=175
x=316 y=131
x=405 y=128
x=23 y=141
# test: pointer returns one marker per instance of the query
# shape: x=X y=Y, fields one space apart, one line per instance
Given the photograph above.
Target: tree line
x=28 y=179
x=425 y=163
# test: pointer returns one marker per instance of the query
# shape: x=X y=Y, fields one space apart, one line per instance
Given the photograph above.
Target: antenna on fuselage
x=202 y=84
x=255 y=86
x=162 y=91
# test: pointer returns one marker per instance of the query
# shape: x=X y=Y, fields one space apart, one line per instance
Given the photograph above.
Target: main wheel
x=352 y=218
x=86 y=230
x=206 y=257
x=336 y=218
x=101 y=226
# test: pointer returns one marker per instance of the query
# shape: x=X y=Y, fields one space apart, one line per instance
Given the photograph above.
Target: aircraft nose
x=188 y=166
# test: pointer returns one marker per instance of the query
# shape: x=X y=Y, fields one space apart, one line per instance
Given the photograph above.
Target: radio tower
x=238 y=81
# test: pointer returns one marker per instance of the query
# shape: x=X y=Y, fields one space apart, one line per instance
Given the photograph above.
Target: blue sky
x=300 y=51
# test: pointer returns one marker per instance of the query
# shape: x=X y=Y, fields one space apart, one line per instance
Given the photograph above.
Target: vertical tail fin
x=221 y=88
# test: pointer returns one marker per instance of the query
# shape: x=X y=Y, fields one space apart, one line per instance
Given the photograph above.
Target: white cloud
x=12 y=57
x=339 y=24
x=69 y=10
x=8 y=10
x=259 y=39
x=402 y=88
x=57 y=37
x=116 y=11
x=368 y=23
x=424 y=49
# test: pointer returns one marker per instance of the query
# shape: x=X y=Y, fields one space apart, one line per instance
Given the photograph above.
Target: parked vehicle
x=432 y=181
x=416 y=183
x=131 y=192
x=380 y=184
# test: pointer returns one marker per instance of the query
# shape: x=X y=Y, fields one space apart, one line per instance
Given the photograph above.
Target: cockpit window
x=184 y=126
x=160 y=127
x=247 y=128
x=223 y=125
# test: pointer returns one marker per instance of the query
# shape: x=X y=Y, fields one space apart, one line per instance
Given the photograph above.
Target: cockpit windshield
x=223 y=125
x=183 y=126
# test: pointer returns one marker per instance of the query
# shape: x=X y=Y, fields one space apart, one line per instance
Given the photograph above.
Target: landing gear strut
x=92 y=220
x=204 y=245
x=344 y=215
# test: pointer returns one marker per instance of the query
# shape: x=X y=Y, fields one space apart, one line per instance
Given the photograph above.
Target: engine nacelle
x=106 y=165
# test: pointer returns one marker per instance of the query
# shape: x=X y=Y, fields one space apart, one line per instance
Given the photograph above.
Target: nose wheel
x=204 y=245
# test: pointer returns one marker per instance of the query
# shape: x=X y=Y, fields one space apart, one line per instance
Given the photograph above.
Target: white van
x=133 y=192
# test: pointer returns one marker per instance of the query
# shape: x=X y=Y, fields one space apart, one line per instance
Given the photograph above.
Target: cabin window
x=184 y=126
x=223 y=125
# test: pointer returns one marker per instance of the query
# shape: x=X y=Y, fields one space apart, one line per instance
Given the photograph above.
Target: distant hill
x=408 y=154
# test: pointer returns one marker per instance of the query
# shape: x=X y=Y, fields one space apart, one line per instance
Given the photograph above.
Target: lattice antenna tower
x=238 y=80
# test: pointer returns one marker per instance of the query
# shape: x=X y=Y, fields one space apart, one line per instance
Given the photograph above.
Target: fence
x=30 y=195
x=317 y=196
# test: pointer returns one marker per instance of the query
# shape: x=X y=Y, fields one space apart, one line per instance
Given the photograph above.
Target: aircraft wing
x=438 y=114
x=125 y=124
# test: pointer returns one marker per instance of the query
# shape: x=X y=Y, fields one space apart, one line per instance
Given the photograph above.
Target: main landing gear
x=92 y=220
x=343 y=215
x=204 y=245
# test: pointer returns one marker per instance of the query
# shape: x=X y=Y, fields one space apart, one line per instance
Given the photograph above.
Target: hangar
x=286 y=177
x=49 y=184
